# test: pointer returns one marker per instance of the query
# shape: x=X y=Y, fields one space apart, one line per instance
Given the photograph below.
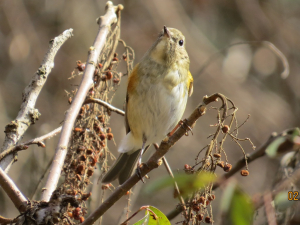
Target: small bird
x=157 y=93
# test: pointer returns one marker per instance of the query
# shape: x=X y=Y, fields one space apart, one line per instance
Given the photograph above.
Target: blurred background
x=248 y=75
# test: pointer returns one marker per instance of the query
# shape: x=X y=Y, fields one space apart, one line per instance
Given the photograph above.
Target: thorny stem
x=28 y=114
x=105 y=23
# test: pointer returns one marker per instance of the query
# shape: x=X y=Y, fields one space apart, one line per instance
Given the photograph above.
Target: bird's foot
x=139 y=172
x=181 y=123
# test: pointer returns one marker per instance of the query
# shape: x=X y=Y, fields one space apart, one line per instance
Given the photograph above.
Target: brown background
x=249 y=75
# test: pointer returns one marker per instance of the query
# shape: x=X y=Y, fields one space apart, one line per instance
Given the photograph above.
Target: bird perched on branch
x=157 y=93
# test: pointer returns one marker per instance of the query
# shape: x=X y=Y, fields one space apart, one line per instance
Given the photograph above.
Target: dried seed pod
x=101 y=118
x=116 y=80
x=80 y=66
x=96 y=72
x=85 y=196
x=102 y=136
x=127 y=193
x=201 y=200
x=200 y=217
x=94 y=160
x=196 y=208
x=78 y=129
x=208 y=219
x=217 y=155
x=187 y=167
x=225 y=129
x=82 y=158
x=80 y=169
x=115 y=54
x=70 y=100
x=81 y=219
x=227 y=167
x=90 y=171
x=110 y=136
x=115 y=59
x=211 y=197
x=100 y=65
x=109 y=75
x=220 y=164
x=124 y=57
x=102 y=144
x=244 y=173
x=108 y=130
x=89 y=151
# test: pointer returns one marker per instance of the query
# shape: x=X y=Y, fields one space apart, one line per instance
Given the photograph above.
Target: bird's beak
x=166 y=32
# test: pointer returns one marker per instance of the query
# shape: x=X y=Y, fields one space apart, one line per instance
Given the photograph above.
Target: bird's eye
x=180 y=42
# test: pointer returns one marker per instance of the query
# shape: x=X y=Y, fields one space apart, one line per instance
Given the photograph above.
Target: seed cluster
x=88 y=150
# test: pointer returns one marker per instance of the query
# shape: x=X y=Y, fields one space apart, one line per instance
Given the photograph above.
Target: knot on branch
x=11 y=127
x=34 y=115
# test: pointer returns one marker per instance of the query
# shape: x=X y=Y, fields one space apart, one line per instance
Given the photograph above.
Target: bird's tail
x=122 y=168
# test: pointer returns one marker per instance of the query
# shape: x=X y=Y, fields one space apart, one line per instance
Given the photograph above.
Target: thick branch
x=152 y=163
x=12 y=191
x=105 y=23
x=24 y=145
x=28 y=114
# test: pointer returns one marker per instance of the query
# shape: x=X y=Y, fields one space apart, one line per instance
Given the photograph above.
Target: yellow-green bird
x=157 y=93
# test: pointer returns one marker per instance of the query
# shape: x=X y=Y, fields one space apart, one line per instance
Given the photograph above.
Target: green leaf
x=242 y=210
x=272 y=149
x=144 y=220
x=187 y=183
x=236 y=206
x=159 y=219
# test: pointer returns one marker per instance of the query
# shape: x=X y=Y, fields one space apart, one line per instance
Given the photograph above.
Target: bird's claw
x=180 y=124
x=139 y=173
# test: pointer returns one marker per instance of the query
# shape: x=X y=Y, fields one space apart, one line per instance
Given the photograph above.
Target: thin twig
x=12 y=191
x=24 y=145
x=237 y=167
x=105 y=104
x=152 y=163
x=28 y=114
x=168 y=168
x=105 y=23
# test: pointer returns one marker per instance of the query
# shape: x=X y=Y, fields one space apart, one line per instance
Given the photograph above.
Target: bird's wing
x=126 y=120
x=131 y=87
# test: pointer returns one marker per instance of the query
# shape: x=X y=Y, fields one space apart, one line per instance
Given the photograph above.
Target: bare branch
x=105 y=23
x=152 y=163
x=24 y=145
x=4 y=220
x=28 y=114
x=105 y=104
x=12 y=191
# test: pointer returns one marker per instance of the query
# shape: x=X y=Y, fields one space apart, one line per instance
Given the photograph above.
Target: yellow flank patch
x=133 y=80
x=190 y=81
